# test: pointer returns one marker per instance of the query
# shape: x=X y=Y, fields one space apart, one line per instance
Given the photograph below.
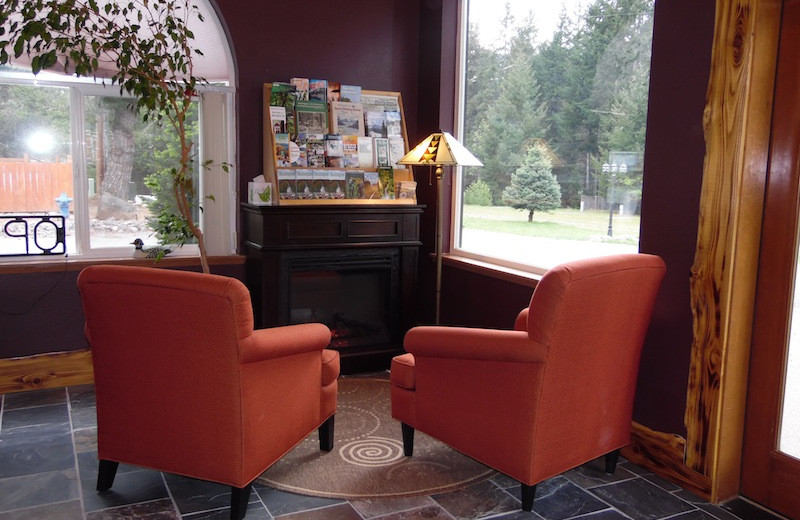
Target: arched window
x=74 y=146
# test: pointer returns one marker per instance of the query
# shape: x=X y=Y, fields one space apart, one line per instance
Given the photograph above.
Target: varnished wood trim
x=46 y=371
x=66 y=264
x=722 y=284
x=662 y=453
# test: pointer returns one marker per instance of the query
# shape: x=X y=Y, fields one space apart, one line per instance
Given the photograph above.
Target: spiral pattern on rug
x=367 y=460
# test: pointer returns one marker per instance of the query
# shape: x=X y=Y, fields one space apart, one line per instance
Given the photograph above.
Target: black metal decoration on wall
x=32 y=235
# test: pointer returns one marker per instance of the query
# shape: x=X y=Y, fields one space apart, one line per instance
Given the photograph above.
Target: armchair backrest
x=592 y=315
x=166 y=342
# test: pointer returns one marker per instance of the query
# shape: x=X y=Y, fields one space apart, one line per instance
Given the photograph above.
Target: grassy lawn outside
x=564 y=223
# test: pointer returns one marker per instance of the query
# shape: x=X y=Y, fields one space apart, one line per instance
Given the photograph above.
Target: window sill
x=499 y=272
x=58 y=264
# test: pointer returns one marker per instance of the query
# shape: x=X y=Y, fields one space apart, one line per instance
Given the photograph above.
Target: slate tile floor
x=48 y=467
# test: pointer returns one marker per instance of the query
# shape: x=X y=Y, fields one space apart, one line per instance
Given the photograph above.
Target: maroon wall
x=673 y=167
x=41 y=312
x=673 y=174
x=373 y=44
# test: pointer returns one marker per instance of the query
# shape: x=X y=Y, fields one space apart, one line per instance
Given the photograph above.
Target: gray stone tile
x=476 y=501
x=504 y=481
x=518 y=515
x=593 y=473
x=60 y=511
x=255 y=511
x=155 y=510
x=81 y=397
x=337 y=512
x=717 y=512
x=424 y=513
x=281 y=503
x=129 y=488
x=743 y=508
x=193 y=495
x=31 y=398
x=661 y=482
x=37 y=416
x=641 y=499
x=88 y=463
x=84 y=418
x=387 y=506
x=85 y=440
x=38 y=489
x=558 y=498
x=697 y=514
x=23 y=452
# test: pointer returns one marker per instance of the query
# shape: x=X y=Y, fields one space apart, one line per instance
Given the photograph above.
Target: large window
x=554 y=103
x=77 y=148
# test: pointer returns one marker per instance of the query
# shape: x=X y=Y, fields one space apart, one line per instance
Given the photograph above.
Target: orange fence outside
x=32 y=186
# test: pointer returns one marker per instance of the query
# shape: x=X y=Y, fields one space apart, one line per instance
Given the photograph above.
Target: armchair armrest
x=474 y=343
x=521 y=323
x=283 y=341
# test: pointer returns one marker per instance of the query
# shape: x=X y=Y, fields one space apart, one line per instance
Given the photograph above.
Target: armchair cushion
x=402 y=373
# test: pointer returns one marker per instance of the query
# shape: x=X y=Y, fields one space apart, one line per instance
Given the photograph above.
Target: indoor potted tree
x=143 y=46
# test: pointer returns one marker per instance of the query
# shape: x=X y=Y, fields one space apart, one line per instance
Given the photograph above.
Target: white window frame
x=457 y=185
x=216 y=142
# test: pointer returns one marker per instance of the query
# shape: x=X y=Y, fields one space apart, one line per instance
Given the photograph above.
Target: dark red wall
x=41 y=312
x=673 y=167
x=673 y=174
x=373 y=44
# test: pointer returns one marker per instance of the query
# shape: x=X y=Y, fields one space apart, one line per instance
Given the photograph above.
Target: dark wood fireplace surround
x=294 y=246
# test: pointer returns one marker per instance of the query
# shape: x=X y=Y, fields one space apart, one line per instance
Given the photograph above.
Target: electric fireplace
x=350 y=267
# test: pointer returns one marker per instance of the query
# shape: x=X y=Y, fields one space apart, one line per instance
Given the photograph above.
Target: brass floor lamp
x=439 y=149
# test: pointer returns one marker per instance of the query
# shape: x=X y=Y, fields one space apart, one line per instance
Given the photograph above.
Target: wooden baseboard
x=663 y=454
x=50 y=370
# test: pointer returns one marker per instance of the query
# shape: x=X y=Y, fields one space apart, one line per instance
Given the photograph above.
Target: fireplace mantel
x=299 y=255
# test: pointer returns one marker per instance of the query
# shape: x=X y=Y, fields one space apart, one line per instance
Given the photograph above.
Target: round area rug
x=367 y=459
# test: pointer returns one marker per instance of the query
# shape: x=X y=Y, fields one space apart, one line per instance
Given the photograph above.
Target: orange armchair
x=185 y=385
x=548 y=396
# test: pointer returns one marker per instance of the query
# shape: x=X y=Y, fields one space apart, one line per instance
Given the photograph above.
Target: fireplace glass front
x=354 y=293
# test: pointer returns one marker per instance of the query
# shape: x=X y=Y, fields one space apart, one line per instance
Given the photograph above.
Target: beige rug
x=367 y=460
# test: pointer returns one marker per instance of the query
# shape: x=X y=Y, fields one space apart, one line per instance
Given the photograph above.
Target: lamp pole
x=612 y=168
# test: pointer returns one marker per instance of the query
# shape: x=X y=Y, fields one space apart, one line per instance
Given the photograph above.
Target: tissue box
x=259 y=193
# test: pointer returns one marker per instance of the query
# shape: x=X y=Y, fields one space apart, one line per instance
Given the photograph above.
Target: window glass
x=128 y=162
x=554 y=103
x=36 y=165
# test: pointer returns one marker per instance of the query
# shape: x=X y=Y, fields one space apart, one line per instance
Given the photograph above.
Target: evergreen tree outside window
x=552 y=91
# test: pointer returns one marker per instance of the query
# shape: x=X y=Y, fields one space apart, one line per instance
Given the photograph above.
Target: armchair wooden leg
x=105 y=474
x=528 y=492
x=611 y=461
x=326 y=434
x=239 y=499
x=408 y=439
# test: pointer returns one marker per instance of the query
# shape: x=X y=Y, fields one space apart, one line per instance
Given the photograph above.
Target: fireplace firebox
x=352 y=268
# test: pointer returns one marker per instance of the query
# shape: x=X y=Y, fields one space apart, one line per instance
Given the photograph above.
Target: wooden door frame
x=773 y=296
x=722 y=285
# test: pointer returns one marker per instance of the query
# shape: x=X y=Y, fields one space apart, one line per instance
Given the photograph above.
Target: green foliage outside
x=582 y=93
x=478 y=194
x=533 y=186
x=157 y=152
